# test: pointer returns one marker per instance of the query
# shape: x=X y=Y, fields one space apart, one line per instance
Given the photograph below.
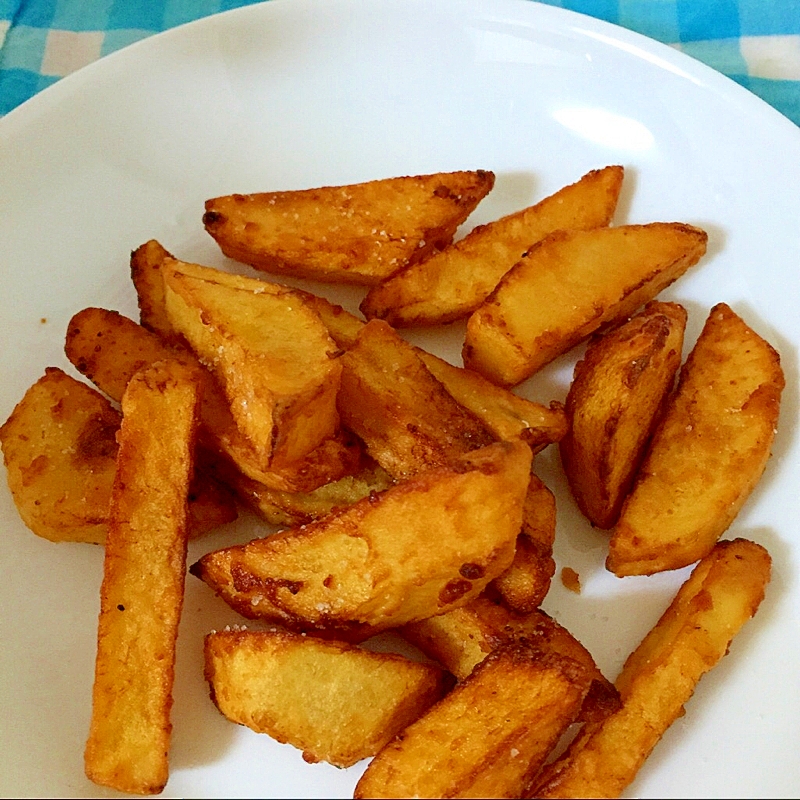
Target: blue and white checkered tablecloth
x=754 y=42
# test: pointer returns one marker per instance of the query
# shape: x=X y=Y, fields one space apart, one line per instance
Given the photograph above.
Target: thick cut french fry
x=489 y=736
x=109 y=348
x=451 y=284
x=335 y=702
x=570 y=285
x=270 y=352
x=375 y=565
x=360 y=233
x=617 y=393
x=405 y=416
x=707 y=454
x=660 y=676
x=460 y=639
x=141 y=596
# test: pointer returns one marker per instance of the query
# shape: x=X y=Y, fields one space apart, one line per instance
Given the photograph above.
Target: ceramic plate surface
x=301 y=93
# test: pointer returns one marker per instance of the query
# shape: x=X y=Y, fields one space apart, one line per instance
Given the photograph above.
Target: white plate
x=298 y=93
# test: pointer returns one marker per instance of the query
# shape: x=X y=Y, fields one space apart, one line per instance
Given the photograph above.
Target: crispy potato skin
x=359 y=233
x=141 y=596
x=451 y=284
x=489 y=736
x=707 y=454
x=581 y=282
x=723 y=592
x=374 y=565
x=336 y=702
x=613 y=404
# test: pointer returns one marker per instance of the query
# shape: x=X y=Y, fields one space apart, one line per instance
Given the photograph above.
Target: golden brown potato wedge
x=695 y=632
x=358 y=233
x=297 y=508
x=141 y=596
x=147 y=262
x=451 y=284
x=506 y=414
x=375 y=565
x=60 y=452
x=489 y=736
x=613 y=405
x=707 y=454
x=108 y=348
x=270 y=352
x=524 y=585
x=570 y=285
x=407 y=419
x=460 y=639
x=334 y=701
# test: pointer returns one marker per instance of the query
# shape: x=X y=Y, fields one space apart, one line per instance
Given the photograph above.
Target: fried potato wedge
x=570 y=285
x=524 y=585
x=696 y=631
x=141 y=595
x=613 y=404
x=270 y=352
x=460 y=639
x=451 y=284
x=108 y=348
x=489 y=736
x=505 y=414
x=60 y=452
x=336 y=702
x=375 y=565
x=147 y=262
x=707 y=454
x=297 y=508
x=359 y=233
x=407 y=419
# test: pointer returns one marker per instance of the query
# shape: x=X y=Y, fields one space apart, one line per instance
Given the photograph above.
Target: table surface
x=754 y=42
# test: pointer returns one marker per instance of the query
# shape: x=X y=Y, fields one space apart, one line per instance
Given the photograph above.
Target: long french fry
x=141 y=596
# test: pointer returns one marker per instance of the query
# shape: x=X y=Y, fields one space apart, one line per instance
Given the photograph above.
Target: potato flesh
x=696 y=631
x=451 y=284
x=707 y=454
x=487 y=737
x=360 y=233
x=374 y=565
x=570 y=285
x=141 y=596
x=613 y=405
x=335 y=702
